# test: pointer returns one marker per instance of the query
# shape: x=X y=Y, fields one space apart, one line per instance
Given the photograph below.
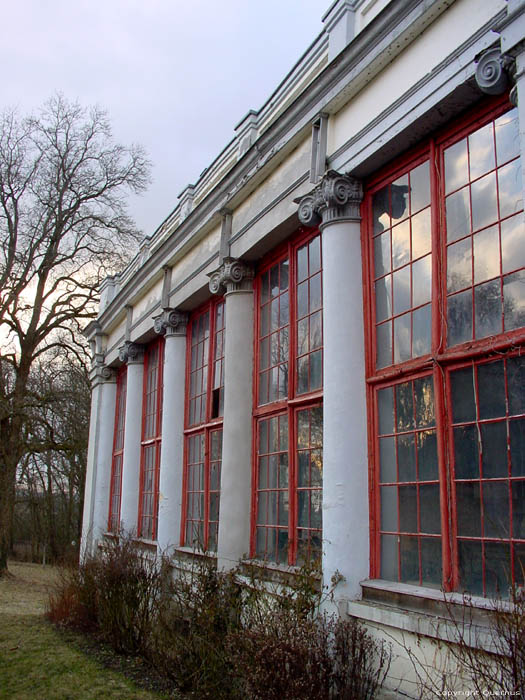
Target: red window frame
x=115 y=490
x=289 y=488
x=204 y=397
x=151 y=440
x=445 y=358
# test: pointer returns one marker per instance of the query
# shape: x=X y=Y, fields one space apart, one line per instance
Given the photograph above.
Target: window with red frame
x=151 y=441
x=203 y=433
x=118 y=450
x=287 y=523
x=446 y=373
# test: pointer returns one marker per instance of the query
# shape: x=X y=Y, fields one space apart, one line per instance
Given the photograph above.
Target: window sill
x=269 y=572
x=426 y=612
x=181 y=555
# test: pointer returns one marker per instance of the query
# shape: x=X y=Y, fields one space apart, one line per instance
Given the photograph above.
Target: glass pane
x=491 y=389
x=316 y=301
x=516 y=385
x=274 y=281
x=507 y=136
x=512 y=240
x=283 y=471
x=389 y=508
x=463 y=405
x=302 y=263
x=514 y=300
x=274 y=314
x=481 y=151
x=401 y=284
x=282 y=546
x=384 y=344
x=510 y=189
x=421 y=238
x=466 y=452
x=316 y=426
x=387 y=459
x=484 y=204
x=421 y=331
x=431 y=557
x=314 y=249
x=409 y=560
x=316 y=370
x=429 y=508
x=487 y=300
x=406 y=456
x=273 y=471
x=402 y=338
x=382 y=254
x=283 y=433
x=283 y=507
x=404 y=407
x=519 y=564
x=265 y=287
x=470 y=571
x=316 y=467
x=401 y=244
x=421 y=281
x=456 y=166
x=399 y=195
x=424 y=397
x=304 y=468
x=383 y=294
x=497 y=569
x=389 y=566
x=458 y=215
x=302 y=374
x=459 y=318
x=316 y=330
x=496 y=509
x=265 y=320
x=419 y=187
x=427 y=455
x=468 y=509
x=517 y=446
x=486 y=254
x=302 y=299
x=284 y=310
x=283 y=281
x=459 y=265
x=385 y=401
x=263 y=472
x=381 y=210
x=408 y=508
x=518 y=509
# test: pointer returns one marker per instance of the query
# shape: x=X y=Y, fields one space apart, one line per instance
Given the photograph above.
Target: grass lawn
x=37 y=662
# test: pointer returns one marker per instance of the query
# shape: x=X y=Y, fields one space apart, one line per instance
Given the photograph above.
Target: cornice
x=400 y=21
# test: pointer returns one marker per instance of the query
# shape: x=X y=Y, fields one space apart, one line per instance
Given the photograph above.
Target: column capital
x=233 y=275
x=336 y=198
x=101 y=373
x=171 y=322
x=132 y=353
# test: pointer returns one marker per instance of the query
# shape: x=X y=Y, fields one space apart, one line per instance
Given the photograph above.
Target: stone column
x=133 y=354
x=334 y=206
x=172 y=324
x=235 y=278
x=100 y=449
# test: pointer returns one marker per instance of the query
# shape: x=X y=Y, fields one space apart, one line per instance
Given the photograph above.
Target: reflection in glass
x=458 y=215
x=407 y=508
x=468 y=512
x=481 y=151
x=427 y=455
x=385 y=402
x=429 y=508
x=495 y=509
x=518 y=509
x=399 y=199
x=470 y=571
x=497 y=569
x=389 y=508
x=431 y=570
x=494 y=456
x=424 y=398
x=421 y=331
x=401 y=284
x=382 y=254
x=401 y=244
x=402 y=338
x=514 y=300
x=381 y=210
x=421 y=281
x=409 y=559
x=404 y=406
x=387 y=459
x=456 y=166
x=512 y=243
x=460 y=318
x=510 y=189
x=517 y=446
x=507 y=136
x=389 y=567
x=421 y=238
x=463 y=404
x=486 y=254
x=491 y=389
x=516 y=385
x=487 y=300
x=406 y=457
x=383 y=298
x=484 y=204
x=419 y=187
x=384 y=344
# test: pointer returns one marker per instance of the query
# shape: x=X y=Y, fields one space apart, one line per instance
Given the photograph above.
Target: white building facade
x=319 y=353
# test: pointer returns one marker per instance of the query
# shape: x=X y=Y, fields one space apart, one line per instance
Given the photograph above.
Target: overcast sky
x=176 y=76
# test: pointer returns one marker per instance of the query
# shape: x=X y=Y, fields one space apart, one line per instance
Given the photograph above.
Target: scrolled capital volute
x=494 y=71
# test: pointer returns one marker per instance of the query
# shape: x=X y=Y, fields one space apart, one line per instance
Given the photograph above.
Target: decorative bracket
x=231 y=276
x=494 y=72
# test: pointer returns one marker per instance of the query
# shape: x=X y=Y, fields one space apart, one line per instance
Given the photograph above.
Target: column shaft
x=131 y=454
x=236 y=472
x=171 y=461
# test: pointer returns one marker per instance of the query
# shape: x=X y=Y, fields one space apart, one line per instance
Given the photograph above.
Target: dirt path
x=25 y=590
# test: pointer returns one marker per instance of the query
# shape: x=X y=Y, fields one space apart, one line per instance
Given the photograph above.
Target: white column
x=100 y=447
x=173 y=324
x=134 y=356
x=345 y=459
x=236 y=473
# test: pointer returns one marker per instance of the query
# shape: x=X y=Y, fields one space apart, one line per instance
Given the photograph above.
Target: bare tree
x=63 y=228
